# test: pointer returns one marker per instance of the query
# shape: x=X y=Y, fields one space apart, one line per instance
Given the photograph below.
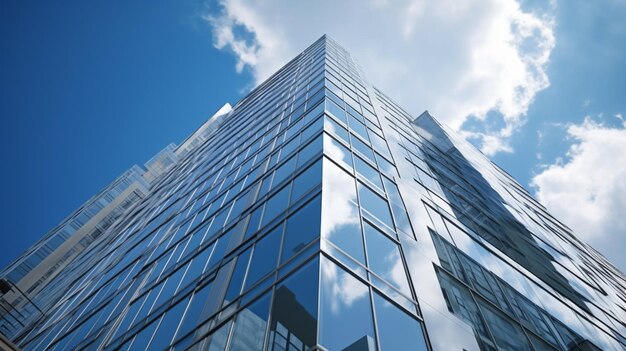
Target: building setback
x=317 y=214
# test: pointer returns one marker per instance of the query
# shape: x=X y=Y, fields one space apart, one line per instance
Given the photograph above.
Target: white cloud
x=587 y=189
x=454 y=58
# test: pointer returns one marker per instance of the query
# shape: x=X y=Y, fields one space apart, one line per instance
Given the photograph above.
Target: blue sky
x=86 y=91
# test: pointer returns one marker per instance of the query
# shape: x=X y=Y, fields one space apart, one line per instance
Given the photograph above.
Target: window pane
x=337 y=152
x=294 y=313
x=265 y=256
x=276 y=204
x=190 y=321
x=308 y=179
x=169 y=322
x=340 y=222
x=346 y=312
x=336 y=111
x=217 y=340
x=397 y=330
x=302 y=228
x=250 y=326
x=236 y=280
x=368 y=172
x=334 y=128
x=375 y=205
x=358 y=128
x=363 y=149
x=384 y=258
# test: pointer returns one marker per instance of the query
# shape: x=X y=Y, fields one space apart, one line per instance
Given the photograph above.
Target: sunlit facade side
x=317 y=214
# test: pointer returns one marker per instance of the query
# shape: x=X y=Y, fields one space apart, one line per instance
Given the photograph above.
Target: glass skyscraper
x=317 y=214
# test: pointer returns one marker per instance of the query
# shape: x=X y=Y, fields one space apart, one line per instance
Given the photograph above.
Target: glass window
x=309 y=151
x=250 y=325
x=384 y=258
x=358 y=128
x=337 y=152
x=312 y=129
x=253 y=223
x=220 y=249
x=336 y=111
x=302 y=227
x=190 y=320
x=308 y=179
x=276 y=204
x=345 y=313
x=265 y=256
x=386 y=167
x=143 y=338
x=375 y=205
x=217 y=340
x=341 y=222
x=236 y=280
x=334 y=128
x=167 y=327
x=294 y=312
x=365 y=150
x=397 y=330
x=284 y=171
x=508 y=334
x=368 y=172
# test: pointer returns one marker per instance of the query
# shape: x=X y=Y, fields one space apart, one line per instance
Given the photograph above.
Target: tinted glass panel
x=375 y=205
x=250 y=326
x=340 y=220
x=168 y=325
x=344 y=302
x=337 y=152
x=368 y=172
x=397 y=330
x=384 y=258
x=302 y=228
x=294 y=312
x=311 y=177
x=265 y=256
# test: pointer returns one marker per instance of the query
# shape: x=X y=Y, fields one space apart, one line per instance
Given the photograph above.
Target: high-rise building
x=317 y=214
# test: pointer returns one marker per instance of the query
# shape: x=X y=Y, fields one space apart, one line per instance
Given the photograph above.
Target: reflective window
x=340 y=220
x=308 y=179
x=375 y=205
x=142 y=339
x=336 y=129
x=368 y=172
x=358 y=127
x=345 y=302
x=217 y=340
x=265 y=256
x=236 y=280
x=250 y=326
x=336 y=111
x=294 y=312
x=190 y=320
x=384 y=258
x=302 y=227
x=365 y=150
x=508 y=335
x=167 y=327
x=337 y=152
x=397 y=330
x=309 y=151
x=275 y=205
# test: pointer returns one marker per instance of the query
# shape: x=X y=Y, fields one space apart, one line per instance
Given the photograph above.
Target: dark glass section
x=294 y=311
x=251 y=325
x=302 y=227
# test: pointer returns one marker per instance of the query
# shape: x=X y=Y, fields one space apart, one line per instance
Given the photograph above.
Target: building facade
x=317 y=214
